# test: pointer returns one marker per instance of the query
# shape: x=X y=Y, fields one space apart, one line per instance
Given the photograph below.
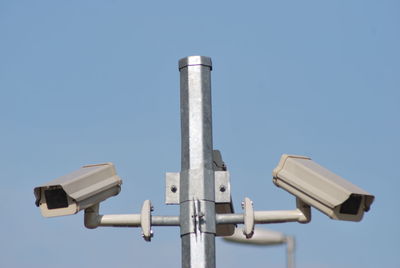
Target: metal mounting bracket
x=248 y=229
x=145 y=220
x=222 y=187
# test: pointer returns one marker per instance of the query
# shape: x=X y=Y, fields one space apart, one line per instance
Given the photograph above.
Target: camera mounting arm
x=145 y=220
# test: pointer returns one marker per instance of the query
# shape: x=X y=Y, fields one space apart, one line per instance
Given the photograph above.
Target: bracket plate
x=222 y=187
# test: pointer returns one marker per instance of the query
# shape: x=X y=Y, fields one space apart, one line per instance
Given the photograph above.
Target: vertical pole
x=197 y=197
x=290 y=247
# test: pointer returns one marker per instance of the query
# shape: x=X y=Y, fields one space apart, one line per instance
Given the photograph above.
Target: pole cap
x=195 y=60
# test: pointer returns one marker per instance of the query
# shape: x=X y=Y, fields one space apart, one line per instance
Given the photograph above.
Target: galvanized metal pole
x=197 y=197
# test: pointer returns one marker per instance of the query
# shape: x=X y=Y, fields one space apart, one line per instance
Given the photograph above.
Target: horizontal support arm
x=93 y=219
x=261 y=217
x=302 y=214
x=122 y=220
x=278 y=216
x=134 y=220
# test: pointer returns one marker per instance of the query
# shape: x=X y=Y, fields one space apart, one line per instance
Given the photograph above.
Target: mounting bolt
x=174 y=189
x=222 y=188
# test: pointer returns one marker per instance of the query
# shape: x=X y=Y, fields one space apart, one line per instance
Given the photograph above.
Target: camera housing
x=78 y=190
x=322 y=189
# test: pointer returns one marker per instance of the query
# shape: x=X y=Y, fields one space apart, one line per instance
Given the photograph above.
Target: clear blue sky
x=86 y=82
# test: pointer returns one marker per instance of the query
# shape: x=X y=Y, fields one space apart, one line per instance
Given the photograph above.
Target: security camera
x=78 y=190
x=320 y=188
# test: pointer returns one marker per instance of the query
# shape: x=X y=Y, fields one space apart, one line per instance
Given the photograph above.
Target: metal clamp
x=248 y=229
x=145 y=220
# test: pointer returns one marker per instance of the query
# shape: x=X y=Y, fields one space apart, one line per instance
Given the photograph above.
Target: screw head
x=174 y=189
x=222 y=188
